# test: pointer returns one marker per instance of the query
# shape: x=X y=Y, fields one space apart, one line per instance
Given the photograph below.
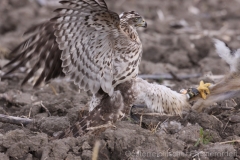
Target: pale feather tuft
x=226 y=54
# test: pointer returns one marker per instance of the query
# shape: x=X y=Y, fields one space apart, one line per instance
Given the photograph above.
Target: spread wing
x=86 y=32
x=229 y=55
x=102 y=3
x=42 y=50
x=78 y=42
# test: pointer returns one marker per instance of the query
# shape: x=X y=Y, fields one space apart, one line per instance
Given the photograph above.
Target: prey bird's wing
x=230 y=56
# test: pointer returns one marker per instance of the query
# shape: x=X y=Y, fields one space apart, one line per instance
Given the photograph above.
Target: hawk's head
x=133 y=19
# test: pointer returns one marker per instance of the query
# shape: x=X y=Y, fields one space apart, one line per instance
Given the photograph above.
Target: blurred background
x=177 y=40
x=177 y=44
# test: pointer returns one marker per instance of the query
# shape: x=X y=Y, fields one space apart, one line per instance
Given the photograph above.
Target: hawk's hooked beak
x=143 y=23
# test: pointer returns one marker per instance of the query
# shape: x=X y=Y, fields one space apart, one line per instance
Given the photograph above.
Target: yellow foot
x=203 y=89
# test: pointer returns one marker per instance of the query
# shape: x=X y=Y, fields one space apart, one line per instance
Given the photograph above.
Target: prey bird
x=228 y=86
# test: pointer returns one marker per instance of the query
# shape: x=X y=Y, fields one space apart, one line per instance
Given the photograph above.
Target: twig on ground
x=225 y=126
x=155 y=129
x=53 y=89
x=151 y=114
x=109 y=124
x=159 y=124
x=217 y=119
x=141 y=117
x=233 y=141
x=96 y=150
x=15 y=120
x=45 y=108
x=234 y=102
x=169 y=76
x=30 y=111
x=197 y=155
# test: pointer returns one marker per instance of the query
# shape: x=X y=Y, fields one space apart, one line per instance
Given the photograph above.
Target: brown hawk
x=96 y=47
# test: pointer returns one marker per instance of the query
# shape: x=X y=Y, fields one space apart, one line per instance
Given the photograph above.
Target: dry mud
x=178 y=41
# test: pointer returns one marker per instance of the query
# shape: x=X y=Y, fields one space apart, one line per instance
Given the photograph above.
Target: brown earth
x=177 y=40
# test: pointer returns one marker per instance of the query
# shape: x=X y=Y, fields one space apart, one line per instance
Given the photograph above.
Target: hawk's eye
x=135 y=19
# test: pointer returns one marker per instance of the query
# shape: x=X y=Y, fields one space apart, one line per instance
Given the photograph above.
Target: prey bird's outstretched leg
x=136 y=91
x=108 y=111
x=203 y=90
x=159 y=98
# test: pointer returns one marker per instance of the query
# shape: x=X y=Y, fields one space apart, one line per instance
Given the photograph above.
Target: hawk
x=97 y=48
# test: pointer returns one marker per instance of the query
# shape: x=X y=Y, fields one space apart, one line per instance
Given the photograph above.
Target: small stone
x=180 y=61
x=223 y=151
x=76 y=149
x=4 y=156
x=53 y=124
x=87 y=155
x=73 y=157
x=29 y=157
x=236 y=129
x=86 y=146
x=189 y=134
x=235 y=119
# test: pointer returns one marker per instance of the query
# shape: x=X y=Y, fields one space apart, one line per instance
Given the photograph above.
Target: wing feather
x=85 y=31
x=102 y=3
x=231 y=56
x=42 y=50
x=79 y=42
